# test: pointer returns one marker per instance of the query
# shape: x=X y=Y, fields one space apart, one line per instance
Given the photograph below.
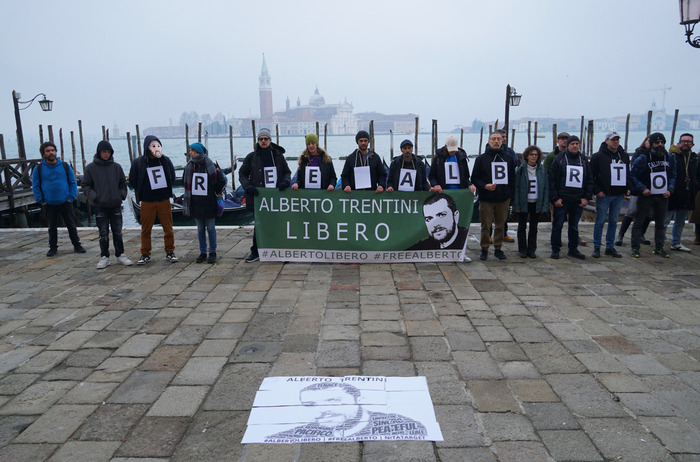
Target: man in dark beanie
x=570 y=189
x=151 y=177
x=265 y=167
x=363 y=168
x=407 y=171
x=653 y=180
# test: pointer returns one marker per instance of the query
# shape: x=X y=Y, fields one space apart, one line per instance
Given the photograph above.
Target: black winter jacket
x=683 y=197
x=437 y=168
x=481 y=176
x=251 y=172
x=557 y=178
x=104 y=183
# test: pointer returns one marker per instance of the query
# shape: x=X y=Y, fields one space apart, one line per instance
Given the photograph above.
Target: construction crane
x=664 y=89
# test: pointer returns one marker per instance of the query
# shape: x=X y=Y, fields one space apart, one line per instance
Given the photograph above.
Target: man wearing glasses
x=683 y=197
x=265 y=167
x=652 y=179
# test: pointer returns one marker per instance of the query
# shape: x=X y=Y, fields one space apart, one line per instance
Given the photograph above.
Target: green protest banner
x=362 y=227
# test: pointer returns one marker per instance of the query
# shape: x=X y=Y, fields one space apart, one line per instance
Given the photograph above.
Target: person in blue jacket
x=531 y=199
x=55 y=188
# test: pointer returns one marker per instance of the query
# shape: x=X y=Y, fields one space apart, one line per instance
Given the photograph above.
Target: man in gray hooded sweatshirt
x=104 y=184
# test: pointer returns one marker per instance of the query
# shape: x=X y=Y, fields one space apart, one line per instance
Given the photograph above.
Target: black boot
x=626 y=222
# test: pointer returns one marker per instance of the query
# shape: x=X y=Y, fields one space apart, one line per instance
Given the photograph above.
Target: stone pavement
x=527 y=360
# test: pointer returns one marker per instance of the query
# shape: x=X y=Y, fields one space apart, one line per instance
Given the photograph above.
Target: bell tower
x=265 y=88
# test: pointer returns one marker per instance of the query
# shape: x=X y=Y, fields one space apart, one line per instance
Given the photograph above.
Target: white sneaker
x=103 y=263
x=124 y=260
x=680 y=247
x=467 y=259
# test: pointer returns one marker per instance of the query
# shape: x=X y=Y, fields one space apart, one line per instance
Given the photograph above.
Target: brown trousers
x=495 y=213
x=149 y=212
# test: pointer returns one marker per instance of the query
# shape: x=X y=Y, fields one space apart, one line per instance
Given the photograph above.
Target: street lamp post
x=46 y=105
x=690 y=16
x=512 y=99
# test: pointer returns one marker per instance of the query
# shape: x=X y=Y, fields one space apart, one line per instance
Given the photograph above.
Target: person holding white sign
x=531 y=199
x=494 y=178
x=265 y=167
x=203 y=181
x=151 y=177
x=570 y=189
x=610 y=168
x=363 y=168
x=407 y=171
x=449 y=168
x=652 y=180
x=316 y=169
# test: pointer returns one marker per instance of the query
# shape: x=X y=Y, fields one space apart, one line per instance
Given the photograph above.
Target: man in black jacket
x=494 y=178
x=104 y=184
x=363 y=168
x=265 y=167
x=407 y=171
x=570 y=189
x=151 y=177
x=683 y=197
x=609 y=168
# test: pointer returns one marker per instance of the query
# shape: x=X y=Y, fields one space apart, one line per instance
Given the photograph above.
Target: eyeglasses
x=263 y=138
x=686 y=141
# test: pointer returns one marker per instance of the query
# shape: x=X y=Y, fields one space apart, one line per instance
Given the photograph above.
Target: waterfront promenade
x=526 y=359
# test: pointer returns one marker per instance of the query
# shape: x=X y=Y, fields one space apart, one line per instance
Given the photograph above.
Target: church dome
x=316 y=99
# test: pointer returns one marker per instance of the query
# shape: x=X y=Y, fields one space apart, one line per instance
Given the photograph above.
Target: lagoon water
x=337 y=146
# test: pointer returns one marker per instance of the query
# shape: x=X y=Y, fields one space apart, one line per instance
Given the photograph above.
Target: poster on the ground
x=362 y=226
x=289 y=410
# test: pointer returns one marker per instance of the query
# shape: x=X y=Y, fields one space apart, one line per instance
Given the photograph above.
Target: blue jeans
x=678 y=217
x=607 y=208
x=206 y=226
x=574 y=210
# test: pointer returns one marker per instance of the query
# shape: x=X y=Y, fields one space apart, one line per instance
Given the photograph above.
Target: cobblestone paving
x=526 y=359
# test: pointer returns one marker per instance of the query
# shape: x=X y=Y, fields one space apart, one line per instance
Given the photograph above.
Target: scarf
x=188 y=175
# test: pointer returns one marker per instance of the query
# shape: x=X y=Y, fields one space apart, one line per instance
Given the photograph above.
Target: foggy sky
x=145 y=62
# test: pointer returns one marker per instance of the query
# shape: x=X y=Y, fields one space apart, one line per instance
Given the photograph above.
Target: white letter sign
x=270 y=175
x=156 y=176
x=499 y=172
x=313 y=178
x=199 y=184
x=407 y=180
x=659 y=183
x=574 y=176
x=451 y=173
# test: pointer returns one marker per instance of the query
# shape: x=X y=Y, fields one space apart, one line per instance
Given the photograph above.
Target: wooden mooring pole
x=82 y=143
x=675 y=122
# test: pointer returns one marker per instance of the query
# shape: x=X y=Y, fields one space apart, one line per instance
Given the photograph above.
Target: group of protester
x=663 y=186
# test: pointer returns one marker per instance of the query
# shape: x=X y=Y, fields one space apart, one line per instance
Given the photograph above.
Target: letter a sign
x=407 y=180
x=499 y=172
x=199 y=184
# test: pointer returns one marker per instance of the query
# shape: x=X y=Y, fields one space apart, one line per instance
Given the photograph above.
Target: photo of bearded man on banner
x=441 y=220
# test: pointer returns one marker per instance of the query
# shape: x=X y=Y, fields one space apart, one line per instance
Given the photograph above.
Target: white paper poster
x=451 y=173
x=313 y=178
x=407 y=179
x=499 y=172
x=363 y=180
x=618 y=175
x=270 y=175
x=289 y=410
x=199 y=184
x=574 y=176
x=156 y=177
x=659 y=182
